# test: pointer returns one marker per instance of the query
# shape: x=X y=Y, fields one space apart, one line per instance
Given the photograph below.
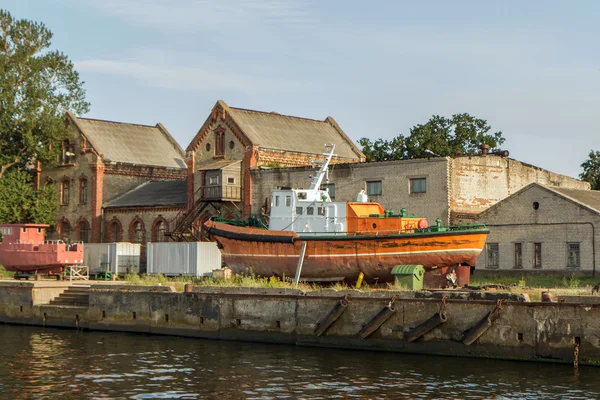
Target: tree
x=20 y=202
x=37 y=87
x=591 y=170
x=443 y=136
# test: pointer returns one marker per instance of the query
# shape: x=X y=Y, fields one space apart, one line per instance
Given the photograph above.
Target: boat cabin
x=306 y=211
x=310 y=211
x=23 y=233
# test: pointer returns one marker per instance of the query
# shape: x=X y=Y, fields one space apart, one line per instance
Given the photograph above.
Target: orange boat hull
x=269 y=253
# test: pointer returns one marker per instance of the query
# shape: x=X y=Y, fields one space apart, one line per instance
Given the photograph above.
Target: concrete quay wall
x=522 y=330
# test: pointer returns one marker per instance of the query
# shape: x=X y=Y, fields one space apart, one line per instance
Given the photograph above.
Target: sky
x=530 y=68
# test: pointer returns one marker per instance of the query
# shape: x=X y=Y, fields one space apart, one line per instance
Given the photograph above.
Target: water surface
x=45 y=362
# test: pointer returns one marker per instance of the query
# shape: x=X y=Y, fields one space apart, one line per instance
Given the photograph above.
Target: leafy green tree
x=591 y=170
x=461 y=134
x=20 y=202
x=37 y=87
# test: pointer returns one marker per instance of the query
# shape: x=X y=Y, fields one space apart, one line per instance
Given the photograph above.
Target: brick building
x=542 y=229
x=234 y=141
x=102 y=160
x=454 y=189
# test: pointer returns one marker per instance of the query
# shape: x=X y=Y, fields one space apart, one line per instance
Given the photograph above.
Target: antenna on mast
x=323 y=171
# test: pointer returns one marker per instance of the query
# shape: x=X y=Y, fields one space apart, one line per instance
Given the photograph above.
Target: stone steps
x=73 y=296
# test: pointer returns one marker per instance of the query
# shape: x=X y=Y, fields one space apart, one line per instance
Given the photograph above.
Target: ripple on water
x=114 y=365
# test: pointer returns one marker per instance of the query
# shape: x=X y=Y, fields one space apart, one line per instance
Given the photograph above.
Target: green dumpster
x=410 y=276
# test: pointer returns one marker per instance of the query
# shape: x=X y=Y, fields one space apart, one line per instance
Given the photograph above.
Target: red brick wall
x=97 y=186
x=150 y=172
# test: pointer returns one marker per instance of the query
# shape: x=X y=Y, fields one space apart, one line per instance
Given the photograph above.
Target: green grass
x=533 y=286
x=237 y=281
x=536 y=281
x=6 y=274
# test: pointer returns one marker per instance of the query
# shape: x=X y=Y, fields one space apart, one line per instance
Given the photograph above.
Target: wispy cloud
x=204 y=14
x=178 y=77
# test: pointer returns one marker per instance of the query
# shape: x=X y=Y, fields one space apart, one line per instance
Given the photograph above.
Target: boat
x=326 y=240
x=23 y=249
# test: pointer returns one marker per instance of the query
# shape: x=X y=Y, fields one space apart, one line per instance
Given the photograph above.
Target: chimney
x=484 y=149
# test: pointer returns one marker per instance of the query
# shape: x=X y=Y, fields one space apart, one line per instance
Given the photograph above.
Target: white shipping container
x=182 y=258
x=118 y=258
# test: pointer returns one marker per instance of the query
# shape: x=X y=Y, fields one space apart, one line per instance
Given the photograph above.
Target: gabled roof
x=589 y=199
x=131 y=143
x=271 y=130
x=153 y=194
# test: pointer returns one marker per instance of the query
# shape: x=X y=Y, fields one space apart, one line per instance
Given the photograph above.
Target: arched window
x=138 y=236
x=114 y=231
x=137 y=231
x=159 y=229
x=51 y=233
x=84 y=231
x=65 y=192
x=65 y=231
x=83 y=191
x=219 y=142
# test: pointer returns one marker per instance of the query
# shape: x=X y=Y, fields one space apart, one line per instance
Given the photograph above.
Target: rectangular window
x=573 y=259
x=320 y=211
x=67 y=155
x=213 y=180
x=298 y=210
x=537 y=255
x=230 y=180
x=493 y=255
x=374 y=188
x=310 y=210
x=65 y=192
x=518 y=255
x=418 y=185
x=83 y=191
x=219 y=143
x=288 y=201
x=330 y=187
x=276 y=201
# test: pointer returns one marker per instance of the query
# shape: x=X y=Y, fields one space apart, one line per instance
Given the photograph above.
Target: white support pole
x=300 y=262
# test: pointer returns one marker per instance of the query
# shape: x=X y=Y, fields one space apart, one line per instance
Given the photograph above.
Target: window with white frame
x=573 y=256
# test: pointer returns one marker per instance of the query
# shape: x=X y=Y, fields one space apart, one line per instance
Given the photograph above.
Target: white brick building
x=454 y=189
x=543 y=229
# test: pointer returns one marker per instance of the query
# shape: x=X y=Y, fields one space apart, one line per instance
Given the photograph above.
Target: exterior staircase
x=183 y=224
x=74 y=296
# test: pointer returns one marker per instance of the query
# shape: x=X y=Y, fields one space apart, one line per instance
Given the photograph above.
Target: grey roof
x=211 y=165
x=282 y=132
x=132 y=143
x=153 y=194
x=589 y=198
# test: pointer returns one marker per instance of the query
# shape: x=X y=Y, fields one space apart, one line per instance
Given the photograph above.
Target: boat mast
x=318 y=178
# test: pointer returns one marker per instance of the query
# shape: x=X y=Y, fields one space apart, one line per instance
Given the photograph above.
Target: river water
x=40 y=362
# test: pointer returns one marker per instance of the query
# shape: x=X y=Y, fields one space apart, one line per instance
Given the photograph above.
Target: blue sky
x=531 y=68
